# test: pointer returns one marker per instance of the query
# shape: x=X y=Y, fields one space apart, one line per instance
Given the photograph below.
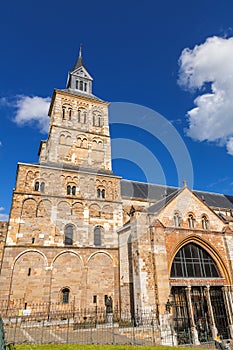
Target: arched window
x=81 y=85
x=74 y=190
x=97 y=235
x=192 y=261
x=63 y=113
x=103 y=193
x=70 y=114
x=76 y=84
x=84 y=117
x=37 y=186
x=79 y=116
x=65 y=295
x=68 y=189
x=85 y=86
x=177 y=220
x=191 y=221
x=42 y=185
x=69 y=235
x=204 y=222
x=98 y=192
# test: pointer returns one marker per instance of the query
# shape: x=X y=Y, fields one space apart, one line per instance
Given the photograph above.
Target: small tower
x=79 y=80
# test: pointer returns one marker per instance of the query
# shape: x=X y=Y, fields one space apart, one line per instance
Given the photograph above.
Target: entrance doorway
x=201 y=313
x=198 y=308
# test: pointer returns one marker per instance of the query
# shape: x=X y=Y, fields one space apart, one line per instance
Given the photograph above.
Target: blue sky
x=174 y=57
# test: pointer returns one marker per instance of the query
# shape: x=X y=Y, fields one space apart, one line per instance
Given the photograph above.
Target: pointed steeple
x=79 y=63
x=79 y=80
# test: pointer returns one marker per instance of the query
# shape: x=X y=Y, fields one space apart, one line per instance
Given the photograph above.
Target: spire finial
x=80 y=50
x=184 y=183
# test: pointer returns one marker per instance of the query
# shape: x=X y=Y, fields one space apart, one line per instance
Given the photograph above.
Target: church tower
x=79 y=129
x=66 y=209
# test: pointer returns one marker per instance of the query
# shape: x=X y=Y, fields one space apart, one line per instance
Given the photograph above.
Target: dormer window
x=85 y=86
x=81 y=85
x=77 y=84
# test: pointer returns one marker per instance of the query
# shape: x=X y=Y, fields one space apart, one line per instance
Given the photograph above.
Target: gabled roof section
x=157 y=193
x=157 y=207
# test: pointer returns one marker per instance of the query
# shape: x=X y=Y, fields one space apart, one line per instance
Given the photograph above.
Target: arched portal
x=198 y=300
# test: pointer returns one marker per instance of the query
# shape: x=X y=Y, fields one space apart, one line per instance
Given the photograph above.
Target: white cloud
x=32 y=110
x=3 y=217
x=210 y=65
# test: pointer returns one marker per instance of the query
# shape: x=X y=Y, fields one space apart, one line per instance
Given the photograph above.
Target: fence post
x=153 y=332
x=16 y=323
x=113 y=335
x=91 y=340
x=42 y=332
x=68 y=328
x=133 y=331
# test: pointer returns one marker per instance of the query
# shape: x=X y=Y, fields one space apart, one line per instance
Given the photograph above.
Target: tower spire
x=79 y=80
x=79 y=61
x=80 y=50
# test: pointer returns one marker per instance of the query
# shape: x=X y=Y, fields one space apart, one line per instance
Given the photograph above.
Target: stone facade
x=77 y=233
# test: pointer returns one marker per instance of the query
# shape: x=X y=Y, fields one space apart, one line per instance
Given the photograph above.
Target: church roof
x=163 y=194
x=82 y=94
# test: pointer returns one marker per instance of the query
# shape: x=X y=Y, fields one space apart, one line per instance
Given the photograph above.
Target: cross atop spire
x=80 y=50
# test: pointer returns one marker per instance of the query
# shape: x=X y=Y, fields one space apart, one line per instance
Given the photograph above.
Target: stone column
x=214 y=330
x=192 y=322
x=228 y=304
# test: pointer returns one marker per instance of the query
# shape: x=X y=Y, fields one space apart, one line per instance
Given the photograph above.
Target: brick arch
x=70 y=277
x=28 y=270
x=63 y=208
x=29 y=208
x=27 y=251
x=209 y=248
x=66 y=252
x=77 y=210
x=94 y=210
x=44 y=208
x=100 y=277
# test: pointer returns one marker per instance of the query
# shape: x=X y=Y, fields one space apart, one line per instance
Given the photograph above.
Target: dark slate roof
x=163 y=194
x=141 y=190
x=216 y=200
x=82 y=94
x=79 y=63
x=76 y=168
x=155 y=208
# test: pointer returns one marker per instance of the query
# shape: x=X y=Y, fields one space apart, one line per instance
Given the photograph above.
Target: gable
x=187 y=203
x=82 y=72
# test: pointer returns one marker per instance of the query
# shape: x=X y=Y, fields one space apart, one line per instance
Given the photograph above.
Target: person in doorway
x=227 y=345
x=218 y=342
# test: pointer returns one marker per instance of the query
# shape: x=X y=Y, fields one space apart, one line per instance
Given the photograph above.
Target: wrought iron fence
x=65 y=323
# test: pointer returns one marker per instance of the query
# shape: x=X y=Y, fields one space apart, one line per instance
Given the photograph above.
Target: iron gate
x=200 y=313
x=220 y=317
x=181 y=316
